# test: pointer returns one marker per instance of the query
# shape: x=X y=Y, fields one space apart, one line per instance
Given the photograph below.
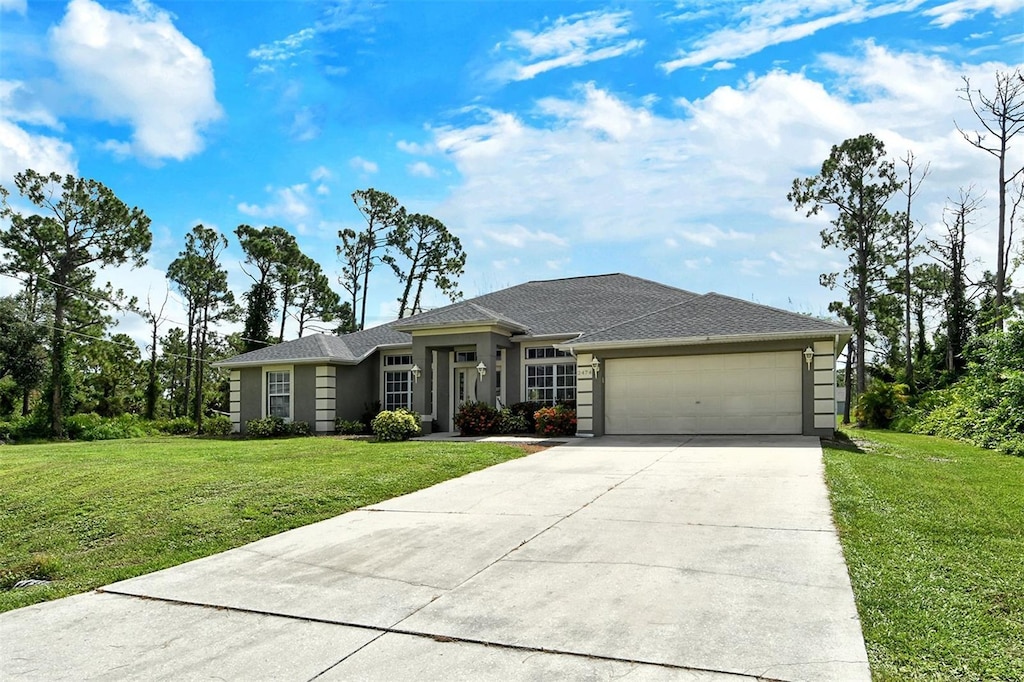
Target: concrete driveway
x=666 y=558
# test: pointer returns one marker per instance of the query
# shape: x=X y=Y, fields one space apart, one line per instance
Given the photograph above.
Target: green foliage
x=527 y=409
x=510 y=422
x=179 y=426
x=31 y=427
x=91 y=426
x=80 y=227
x=267 y=427
x=880 y=404
x=299 y=429
x=394 y=425
x=217 y=425
x=349 y=427
x=986 y=407
x=559 y=420
x=476 y=419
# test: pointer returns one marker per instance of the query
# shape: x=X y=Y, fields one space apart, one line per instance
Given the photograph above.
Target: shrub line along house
x=635 y=356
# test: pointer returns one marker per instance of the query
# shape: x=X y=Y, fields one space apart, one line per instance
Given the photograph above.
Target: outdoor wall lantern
x=809 y=356
x=596 y=364
x=481 y=369
x=416 y=372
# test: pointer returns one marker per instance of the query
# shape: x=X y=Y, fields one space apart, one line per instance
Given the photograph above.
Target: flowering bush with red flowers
x=559 y=420
x=477 y=419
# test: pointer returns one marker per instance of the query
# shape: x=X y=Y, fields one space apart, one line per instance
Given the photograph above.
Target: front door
x=463 y=389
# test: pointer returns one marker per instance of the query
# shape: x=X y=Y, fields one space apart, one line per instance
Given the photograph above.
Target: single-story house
x=636 y=357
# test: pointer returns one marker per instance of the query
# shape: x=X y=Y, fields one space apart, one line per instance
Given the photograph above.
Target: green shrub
x=298 y=429
x=349 y=427
x=476 y=419
x=267 y=427
x=179 y=426
x=527 y=409
x=559 y=420
x=509 y=422
x=217 y=425
x=395 y=425
x=91 y=426
x=880 y=404
x=30 y=427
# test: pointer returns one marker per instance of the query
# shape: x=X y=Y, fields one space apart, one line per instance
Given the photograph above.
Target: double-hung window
x=549 y=378
x=397 y=382
x=279 y=395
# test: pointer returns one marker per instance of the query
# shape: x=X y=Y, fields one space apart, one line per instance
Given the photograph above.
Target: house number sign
x=584 y=372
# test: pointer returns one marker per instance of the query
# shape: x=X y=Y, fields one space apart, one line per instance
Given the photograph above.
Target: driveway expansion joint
x=435 y=637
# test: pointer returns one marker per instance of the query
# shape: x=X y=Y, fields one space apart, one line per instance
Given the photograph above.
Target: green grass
x=933 y=533
x=87 y=514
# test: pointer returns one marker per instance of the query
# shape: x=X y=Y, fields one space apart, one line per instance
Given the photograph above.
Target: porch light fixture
x=809 y=356
x=416 y=372
x=596 y=364
x=481 y=369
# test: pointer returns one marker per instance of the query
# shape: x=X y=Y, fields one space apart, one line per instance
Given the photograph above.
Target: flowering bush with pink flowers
x=559 y=420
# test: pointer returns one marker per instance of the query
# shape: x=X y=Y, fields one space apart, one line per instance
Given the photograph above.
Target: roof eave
x=697 y=340
x=409 y=328
x=284 y=361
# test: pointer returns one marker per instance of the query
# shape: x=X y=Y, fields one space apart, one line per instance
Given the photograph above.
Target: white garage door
x=730 y=393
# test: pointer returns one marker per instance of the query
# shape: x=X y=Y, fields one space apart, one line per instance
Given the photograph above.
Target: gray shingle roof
x=612 y=308
x=560 y=306
x=709 y=316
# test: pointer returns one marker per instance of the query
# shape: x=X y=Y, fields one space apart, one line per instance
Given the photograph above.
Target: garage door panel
x=723 y=393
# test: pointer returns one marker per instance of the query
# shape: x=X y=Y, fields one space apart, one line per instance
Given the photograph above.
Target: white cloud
x=568 y=42
x=270 y=55
x=119 y=150
x=414 y=147
x=292 y=204
x=421 y=169
x=137 y=68
x=321 y=173
x=18 y=6
x=519 y=237
x=595 y=170
x=949 y=13
x=757 y=26
x=362 y=165
x=711 y=235
x=21 y=148
x=305 y=124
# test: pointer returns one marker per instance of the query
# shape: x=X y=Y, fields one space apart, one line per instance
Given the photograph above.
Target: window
x=397 y=382
x=546 y=352
x=551 y=384
x=397 y=390
x=465 y=356
x=279 y=392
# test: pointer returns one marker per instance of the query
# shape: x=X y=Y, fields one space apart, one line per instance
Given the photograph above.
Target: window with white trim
x=397 y=382
x=279 y=391
x=549 y=382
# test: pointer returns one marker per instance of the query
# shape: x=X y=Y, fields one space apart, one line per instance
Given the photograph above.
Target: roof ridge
x=641 y=317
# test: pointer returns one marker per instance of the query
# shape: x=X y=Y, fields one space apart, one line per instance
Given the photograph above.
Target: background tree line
x=898 y=280
x=59 y=355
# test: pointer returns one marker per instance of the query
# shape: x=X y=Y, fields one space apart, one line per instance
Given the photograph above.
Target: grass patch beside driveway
x=933 y=534
x=88 y=514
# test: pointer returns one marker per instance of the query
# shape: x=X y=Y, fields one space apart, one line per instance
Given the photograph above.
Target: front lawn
x=933 y=533
x=88 y=514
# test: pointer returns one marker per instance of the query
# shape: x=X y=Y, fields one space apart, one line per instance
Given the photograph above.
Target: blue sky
x=555 y=139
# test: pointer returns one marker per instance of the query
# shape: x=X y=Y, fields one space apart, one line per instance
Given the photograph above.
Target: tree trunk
x=848 y=385
x=1001 y=252
x=58 y=359
x=151 y=385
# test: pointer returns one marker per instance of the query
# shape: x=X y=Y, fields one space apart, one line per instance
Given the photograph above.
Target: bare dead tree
x=1001 y=115
x=910 y=189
